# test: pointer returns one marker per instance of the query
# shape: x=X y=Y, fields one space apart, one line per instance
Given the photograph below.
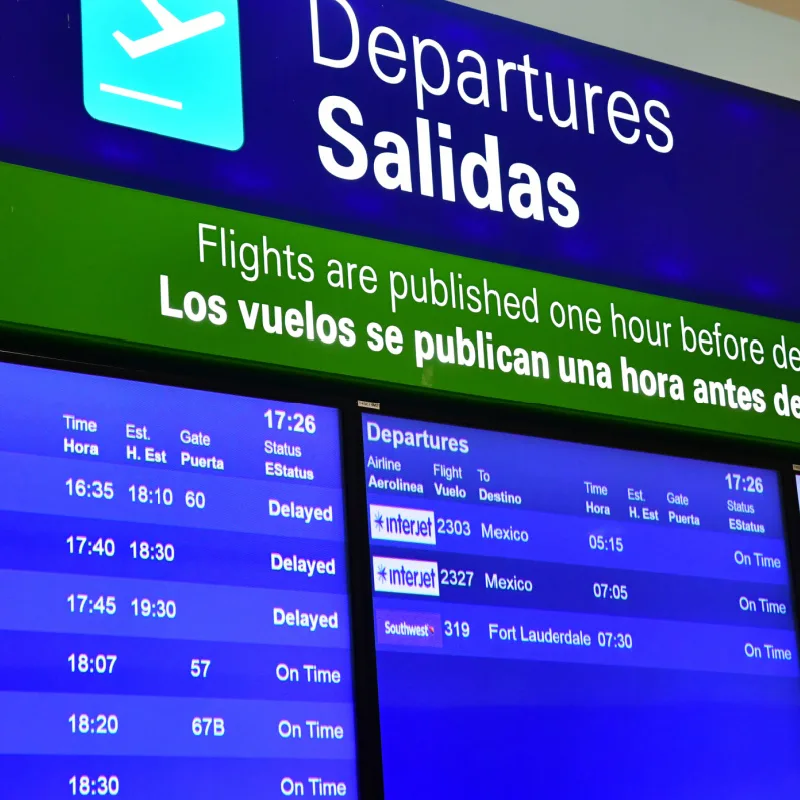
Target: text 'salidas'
x=435 y=165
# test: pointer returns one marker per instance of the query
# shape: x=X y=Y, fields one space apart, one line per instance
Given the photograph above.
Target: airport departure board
x=562 y=620
x=173 y=594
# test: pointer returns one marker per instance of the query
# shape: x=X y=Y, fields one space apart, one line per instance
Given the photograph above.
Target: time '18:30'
x=104 y=547
x=94 y=786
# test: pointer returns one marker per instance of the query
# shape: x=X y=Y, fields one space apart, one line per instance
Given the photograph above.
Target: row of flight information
x=175 y=610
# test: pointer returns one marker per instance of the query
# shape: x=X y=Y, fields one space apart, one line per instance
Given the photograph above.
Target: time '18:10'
x=158 y=496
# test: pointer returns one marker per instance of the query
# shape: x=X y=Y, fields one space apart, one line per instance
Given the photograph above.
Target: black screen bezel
x=601 y=433
x=236 y=381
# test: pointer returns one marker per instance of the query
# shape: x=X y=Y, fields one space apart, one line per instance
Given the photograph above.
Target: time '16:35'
x=90 y=489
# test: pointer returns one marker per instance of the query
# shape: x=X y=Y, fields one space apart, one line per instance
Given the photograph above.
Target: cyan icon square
x=171 y=68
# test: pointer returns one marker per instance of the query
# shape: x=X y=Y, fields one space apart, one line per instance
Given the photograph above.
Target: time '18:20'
x=101 y=725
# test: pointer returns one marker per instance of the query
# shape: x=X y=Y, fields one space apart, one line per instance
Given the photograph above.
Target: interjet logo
x=405 y=576
x=409 y=525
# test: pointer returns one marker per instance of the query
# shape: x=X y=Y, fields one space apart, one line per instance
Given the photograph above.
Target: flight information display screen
x=173 y=594
x=564 y=620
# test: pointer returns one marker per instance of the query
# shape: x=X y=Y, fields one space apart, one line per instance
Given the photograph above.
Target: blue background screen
x=563 y=620
x=173 y=593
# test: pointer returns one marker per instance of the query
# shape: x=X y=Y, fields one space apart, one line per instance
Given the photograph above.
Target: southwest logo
x=172 y=71
x=410 y=525
x=408 y=628
x=405 y=576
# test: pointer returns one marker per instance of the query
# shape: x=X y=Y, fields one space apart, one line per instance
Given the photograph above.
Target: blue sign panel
x=427 y=124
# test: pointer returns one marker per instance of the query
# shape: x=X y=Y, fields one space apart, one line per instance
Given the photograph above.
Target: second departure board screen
x=173 y=594
x=563 y=620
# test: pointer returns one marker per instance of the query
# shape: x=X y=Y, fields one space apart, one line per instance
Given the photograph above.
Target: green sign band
x=91 y=259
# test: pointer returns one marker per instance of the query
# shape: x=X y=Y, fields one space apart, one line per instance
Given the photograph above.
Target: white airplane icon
x=173 y=31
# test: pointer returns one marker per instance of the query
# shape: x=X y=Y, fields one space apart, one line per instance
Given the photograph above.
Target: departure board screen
x=560 y=620
x=173 y=594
